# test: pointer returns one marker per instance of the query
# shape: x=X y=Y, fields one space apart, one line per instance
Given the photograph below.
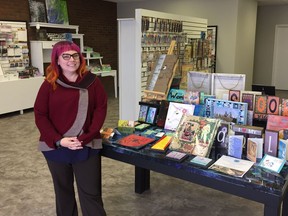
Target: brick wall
x=97 y=20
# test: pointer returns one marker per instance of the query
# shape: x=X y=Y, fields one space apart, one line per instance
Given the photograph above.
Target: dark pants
x=88 y=178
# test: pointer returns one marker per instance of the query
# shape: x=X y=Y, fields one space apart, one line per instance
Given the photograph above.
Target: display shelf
x=133 y=71
x=38 y=25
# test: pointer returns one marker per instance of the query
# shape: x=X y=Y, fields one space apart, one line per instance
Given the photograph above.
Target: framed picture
x=148 y=112
x=234 y=95
x=271 y=140
x=249 y=99
x=37 y=11
x=151 y=115
x=273 y=104
x=229 y=111
x=143 y=112
x=57 y=12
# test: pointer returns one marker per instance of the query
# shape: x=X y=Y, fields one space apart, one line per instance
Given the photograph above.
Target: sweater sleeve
x=98 y=114
x=48 y=133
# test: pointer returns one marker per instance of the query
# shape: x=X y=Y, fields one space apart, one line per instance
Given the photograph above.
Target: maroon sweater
x=56 y=110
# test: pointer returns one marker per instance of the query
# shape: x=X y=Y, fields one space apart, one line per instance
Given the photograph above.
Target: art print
x=261 y=104
x=57 y=12
x=192 y=97
x=143 y=113
x=151 y=115
x=273 y=103
x=284 y=107
x=234 y=95
x=249 y=99
x=37 y=11
x=271 y=142
x=189 y=130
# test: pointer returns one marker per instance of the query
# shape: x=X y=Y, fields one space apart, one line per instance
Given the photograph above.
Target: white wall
x=267 y=19
x=223 y=13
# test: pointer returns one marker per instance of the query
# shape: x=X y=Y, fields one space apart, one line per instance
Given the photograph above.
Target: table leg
x=142 y=180
x=270 y=210
x=285 y=205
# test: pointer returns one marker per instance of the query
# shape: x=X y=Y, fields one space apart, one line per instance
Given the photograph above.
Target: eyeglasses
x=67 y=57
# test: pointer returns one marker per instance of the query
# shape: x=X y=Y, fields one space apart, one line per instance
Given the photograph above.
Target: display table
x=273 y=196
x=112 y=73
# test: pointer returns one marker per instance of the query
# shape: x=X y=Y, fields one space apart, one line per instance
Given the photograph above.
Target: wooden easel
x=161 y=95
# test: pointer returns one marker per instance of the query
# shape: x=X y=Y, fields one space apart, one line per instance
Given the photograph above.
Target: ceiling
x=260 y=2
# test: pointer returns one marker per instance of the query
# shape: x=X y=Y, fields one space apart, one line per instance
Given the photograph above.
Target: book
x=283 y=149
x=221 y=140
x=177 y=156
x=254 y=148
x=260 y=110
x=284 y=107
x=273 y=104
x=162 y=144
x=229 y=111
x=232 y=166
x=272 y=163
x=175 y=113
x=235 y=146
x=195 y=135
x=201 y=161
x=134 y=141
x=271 y=140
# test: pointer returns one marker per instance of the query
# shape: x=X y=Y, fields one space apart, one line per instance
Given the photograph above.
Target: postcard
x=232 y=166
x=272 y=163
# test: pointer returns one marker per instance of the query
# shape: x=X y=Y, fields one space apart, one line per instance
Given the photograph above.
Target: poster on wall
x=57 y=12
x=37 y=11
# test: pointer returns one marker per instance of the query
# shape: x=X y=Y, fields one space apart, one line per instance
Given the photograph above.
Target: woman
x=70 y=110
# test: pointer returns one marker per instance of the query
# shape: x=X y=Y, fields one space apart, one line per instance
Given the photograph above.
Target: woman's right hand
x=71 y=142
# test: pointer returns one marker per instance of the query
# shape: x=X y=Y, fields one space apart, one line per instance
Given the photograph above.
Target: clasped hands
x=71 y=142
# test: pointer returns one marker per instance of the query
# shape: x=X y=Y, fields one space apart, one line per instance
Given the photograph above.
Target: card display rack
x=142 y=40
x=17 y=94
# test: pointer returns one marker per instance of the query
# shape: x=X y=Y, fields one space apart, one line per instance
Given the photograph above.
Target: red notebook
x=134 y=141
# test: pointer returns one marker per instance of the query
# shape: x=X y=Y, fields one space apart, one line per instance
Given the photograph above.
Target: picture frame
x=148 y=112
x=273 y=103
x=271 y=139
x=249 y=99
x=229 y=111
x=37 y=11
x=57 y=12
x=234 y=95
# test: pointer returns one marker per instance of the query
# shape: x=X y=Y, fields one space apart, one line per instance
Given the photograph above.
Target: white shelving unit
x=41 y=50
x=20 y=94
x=112 y=73
x=130 y=52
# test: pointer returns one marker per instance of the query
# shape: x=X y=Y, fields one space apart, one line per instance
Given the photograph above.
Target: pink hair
x=53 y=70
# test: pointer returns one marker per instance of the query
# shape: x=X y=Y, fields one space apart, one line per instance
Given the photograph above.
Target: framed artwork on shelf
x=37 y=11
x=57 y=12
x=212 y=38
